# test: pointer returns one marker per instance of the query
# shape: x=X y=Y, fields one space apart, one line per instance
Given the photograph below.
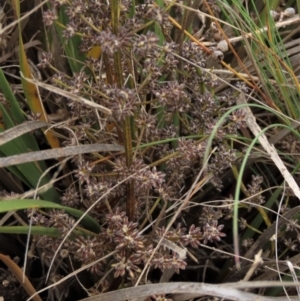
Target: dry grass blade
x=5 y=56
x=70 y=275
x=195 y=187
x=182 y=252
x=268 y=233
x=229 y=291
x=242 y=37
x=257 y=262
x=270 y=273
x=18 y=273
x=294 y=275
x=270 y=149
x=36 y=7
x=283 y=23
x=57 y=153
x=69 y=95
x=21 y=129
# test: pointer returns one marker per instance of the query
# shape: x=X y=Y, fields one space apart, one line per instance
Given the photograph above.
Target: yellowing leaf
x=31 y=90
x=94 y=52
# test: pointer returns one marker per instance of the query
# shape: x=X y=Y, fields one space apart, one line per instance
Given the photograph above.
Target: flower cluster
x=254 y=190
x=170 y=102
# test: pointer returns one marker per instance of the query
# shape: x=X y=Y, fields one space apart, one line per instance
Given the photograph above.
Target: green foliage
x=16 y=204
x=31 y=174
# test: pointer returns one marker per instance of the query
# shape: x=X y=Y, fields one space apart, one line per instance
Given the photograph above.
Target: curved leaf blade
x=16 y=204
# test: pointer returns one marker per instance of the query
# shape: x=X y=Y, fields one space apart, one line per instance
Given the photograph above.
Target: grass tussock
x=147 y=143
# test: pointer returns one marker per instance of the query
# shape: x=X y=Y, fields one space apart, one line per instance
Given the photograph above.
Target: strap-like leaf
x=31 y=90
x=16 y=204
x=58 y=153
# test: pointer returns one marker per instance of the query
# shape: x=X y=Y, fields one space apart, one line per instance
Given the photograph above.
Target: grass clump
x=168 y=83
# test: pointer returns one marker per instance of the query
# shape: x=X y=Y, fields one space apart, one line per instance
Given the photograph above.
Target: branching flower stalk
x=166 y=103
x=130 y=198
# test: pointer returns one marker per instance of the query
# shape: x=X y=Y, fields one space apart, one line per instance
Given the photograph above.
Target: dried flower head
x=213 y=232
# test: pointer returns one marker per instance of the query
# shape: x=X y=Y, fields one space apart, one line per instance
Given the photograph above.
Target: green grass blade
x=16 y=204
x=39 y=230
x=28 y=173
x=34 y=230
x=16 y=112
x=71 y=47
